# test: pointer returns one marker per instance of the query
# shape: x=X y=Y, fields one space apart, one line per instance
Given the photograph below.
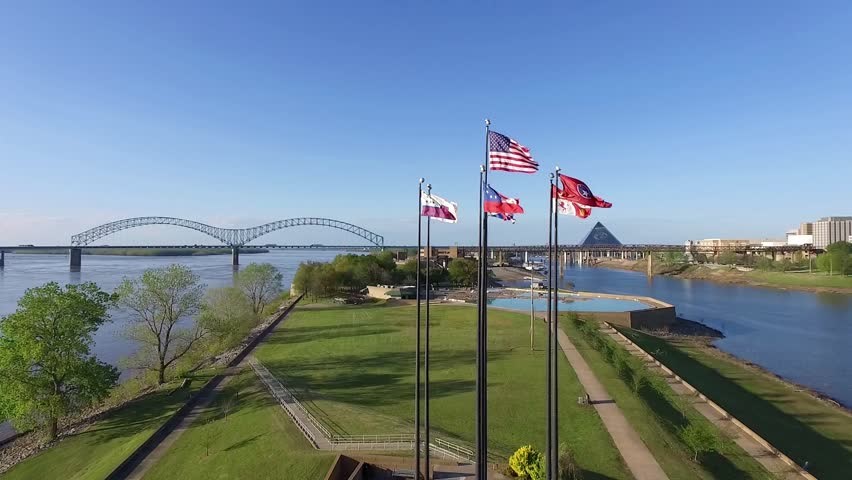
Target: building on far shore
x=828 y=230
x=797 y=239
x=722 y=243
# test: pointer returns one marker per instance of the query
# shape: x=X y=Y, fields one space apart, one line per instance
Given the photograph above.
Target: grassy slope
x=96 y=451
x=794 y=279
x=256 y=436
x=803 y=428
x=353 y=367
x=657 y=427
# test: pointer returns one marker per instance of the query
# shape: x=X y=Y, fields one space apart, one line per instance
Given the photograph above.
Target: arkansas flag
x=567 y=207
x=438 y=208
x=494 y=202
x=579 y=193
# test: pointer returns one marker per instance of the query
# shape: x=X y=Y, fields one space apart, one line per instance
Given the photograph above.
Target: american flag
x=508 y=155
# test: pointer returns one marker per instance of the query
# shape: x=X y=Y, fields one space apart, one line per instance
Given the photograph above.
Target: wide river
x=805 y=337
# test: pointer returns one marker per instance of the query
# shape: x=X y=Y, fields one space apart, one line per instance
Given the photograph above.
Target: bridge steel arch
x=233 y=237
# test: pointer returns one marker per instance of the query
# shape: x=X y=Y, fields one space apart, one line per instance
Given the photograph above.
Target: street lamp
x=532 y=314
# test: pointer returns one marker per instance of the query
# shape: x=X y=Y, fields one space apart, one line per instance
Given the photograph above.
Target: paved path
x=222 y=380
x=163 y=447
x=763 y=455
x=636 y=455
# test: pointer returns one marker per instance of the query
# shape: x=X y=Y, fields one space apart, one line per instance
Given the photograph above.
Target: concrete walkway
x=760 y=453
x=637 y=457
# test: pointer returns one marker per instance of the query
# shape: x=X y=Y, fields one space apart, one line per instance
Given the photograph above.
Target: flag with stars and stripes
x=508 y=155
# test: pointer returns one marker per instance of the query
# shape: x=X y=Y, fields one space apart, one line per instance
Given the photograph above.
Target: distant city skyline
x=696 y=121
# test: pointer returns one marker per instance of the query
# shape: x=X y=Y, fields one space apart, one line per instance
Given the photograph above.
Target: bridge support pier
x=76 y=255
x=650 y=264
x=2 y=258
x=235 y=256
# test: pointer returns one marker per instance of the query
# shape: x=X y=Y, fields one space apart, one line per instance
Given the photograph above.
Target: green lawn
x=353 y=366
x=95 y=452
x=244 y=434
x=793 y=421
x=793 y=279
x=657 y=426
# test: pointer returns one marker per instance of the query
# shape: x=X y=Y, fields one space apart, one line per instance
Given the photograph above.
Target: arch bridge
x=231 y=237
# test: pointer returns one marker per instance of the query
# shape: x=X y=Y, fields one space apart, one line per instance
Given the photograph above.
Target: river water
x=805 y=337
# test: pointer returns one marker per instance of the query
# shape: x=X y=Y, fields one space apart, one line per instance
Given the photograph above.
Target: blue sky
x=719 y=119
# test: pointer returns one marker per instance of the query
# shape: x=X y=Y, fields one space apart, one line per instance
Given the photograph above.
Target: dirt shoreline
x=726 y=277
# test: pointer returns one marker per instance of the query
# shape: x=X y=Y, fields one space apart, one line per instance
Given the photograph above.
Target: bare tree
x=161 y=299
x=261 y=282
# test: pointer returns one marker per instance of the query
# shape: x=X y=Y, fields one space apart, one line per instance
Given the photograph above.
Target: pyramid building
x=599 y=235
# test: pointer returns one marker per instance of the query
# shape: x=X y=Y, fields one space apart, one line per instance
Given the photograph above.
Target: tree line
x=836 y=260
x=47 y=368
x=350 y=273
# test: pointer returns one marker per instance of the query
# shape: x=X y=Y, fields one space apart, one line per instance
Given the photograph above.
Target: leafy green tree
x=227 y=315
x=700 y=438
x=160 y=300
x=674 y=258
x=46 y=366
x=464 y=271
x=260 y=282
x=727 y=258
x=837 y=259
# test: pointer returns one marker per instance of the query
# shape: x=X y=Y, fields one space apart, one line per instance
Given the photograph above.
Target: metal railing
x=317 y=433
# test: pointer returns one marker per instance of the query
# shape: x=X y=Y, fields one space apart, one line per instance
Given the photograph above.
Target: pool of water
x=575 y=303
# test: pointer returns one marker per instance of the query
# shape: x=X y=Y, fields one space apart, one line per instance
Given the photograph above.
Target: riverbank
x=802 y=281
x=807 y=426
x=146 y=252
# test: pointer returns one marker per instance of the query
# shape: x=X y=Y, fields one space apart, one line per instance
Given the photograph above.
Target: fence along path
x=321 y=438
x=780 y=465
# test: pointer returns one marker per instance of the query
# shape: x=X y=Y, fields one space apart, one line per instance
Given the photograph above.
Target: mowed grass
x=793 y=279
x=243 y=434
x=95 y=452
x=354 y=368
x=656 y=422
x=805 y=429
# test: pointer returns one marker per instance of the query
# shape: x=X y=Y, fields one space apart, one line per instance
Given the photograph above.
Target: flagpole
x=417 y=336
x=482 y=334
x=549 y=450
x=479 y=306
x=426 y=366
x=554 y=458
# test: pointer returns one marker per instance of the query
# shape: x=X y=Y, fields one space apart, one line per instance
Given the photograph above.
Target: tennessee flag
x=579 y=193
x=567 y=207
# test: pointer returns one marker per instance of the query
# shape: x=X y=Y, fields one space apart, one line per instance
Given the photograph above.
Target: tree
x=836 y=259
x=727 y=258
x=226 y=315
x=46 y=365
x=699 y=438
x=161 y=299
x=261 y=282
x=464 y=271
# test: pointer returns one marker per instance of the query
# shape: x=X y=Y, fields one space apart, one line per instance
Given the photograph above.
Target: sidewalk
x=636 y=455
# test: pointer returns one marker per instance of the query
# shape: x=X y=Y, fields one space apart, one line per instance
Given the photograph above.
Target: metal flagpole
x=554 y=457
x=482 y=333
x=548 y=449
x=417 y=336
x=479 y=306
x=426 y=366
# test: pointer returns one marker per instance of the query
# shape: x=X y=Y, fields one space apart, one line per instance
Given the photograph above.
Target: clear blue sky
x=719 y=119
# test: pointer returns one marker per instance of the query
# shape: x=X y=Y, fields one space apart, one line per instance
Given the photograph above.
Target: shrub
x=568 y=468
x=699 y=438
x=529 y=463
